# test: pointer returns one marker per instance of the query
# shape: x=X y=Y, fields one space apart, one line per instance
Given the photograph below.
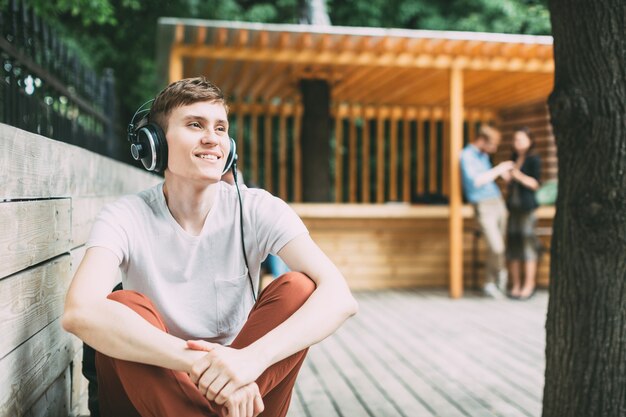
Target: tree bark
x=586 y=323
x=315 y=141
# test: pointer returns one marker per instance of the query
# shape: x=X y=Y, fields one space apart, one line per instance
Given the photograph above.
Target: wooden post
x=338 y=156
x=240 y=140
x=353 y=155
x=365 y=184
x=269 y=135
x=380 y=159
x=254 y=146
x=282 y=149
x=393 y=157
x=297 y=155
x=406 y=159
x=176 y=65
x=420 y=157
x=456 y=219
x=432 y=154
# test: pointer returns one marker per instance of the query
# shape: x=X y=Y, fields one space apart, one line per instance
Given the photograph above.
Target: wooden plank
x=32 y=166
x=353 y=151
x=338 y=159
x=29 y=370
x=380 y=159
x=30 y=300
x=297 y=155
x=80 y=386
x=269 y=136
x=33 y=231
x=456 y=218
x=282 y=155
x=55 y=402
x=84 y=212
x=366 y=158
x=420 y=158
x=406 y=161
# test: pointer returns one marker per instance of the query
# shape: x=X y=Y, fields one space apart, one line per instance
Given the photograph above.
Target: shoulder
x=133 y=204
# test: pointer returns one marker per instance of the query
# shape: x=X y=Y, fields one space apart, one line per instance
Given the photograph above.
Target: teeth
x=211 y=157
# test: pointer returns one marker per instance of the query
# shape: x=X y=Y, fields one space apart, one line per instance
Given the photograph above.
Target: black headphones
x=148 y=143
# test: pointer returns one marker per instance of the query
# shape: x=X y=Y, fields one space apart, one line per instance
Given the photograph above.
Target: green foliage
x=503 y=16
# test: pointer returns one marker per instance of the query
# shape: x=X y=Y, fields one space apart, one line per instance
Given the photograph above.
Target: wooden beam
x=432 y=154
x=353 y=150
x=445 y=155
x=254 y=146
x=282 y=154
x=380 y=159
x=366 y=157
x=420 y=157
x=307 y=55
x=338 y=158
x=406 y=159
x=456 y=217
x=393 y=157
x=267 y=169
x=297 y=154
x=241 y=142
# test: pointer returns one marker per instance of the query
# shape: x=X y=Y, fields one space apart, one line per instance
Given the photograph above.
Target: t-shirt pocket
x=231 y=302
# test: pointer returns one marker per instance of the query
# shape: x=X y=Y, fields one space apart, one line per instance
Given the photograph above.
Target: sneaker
x=491 y=290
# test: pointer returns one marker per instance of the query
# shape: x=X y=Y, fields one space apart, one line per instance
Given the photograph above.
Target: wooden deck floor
x=419 y=353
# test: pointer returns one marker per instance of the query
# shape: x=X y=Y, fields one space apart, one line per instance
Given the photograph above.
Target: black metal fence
x=45 y=89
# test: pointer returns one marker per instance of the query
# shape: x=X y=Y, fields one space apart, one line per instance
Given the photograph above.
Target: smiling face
x=197 y=141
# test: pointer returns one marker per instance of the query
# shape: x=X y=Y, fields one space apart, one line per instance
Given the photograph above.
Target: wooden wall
x=49 y=194
x=396 y=246
x=537 y=118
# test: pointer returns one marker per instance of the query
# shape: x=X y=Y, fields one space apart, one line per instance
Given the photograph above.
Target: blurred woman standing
x=522 y=247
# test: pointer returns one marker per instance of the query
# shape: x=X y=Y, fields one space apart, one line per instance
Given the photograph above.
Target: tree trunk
x=586 y=324
x=315 y=137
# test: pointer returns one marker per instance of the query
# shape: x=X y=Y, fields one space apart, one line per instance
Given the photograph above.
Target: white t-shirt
x=199 y=284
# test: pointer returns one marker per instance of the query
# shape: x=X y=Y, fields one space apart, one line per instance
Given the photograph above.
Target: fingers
x=227 y=391
x=201 y=345
x=205 y=382
x=258 y=404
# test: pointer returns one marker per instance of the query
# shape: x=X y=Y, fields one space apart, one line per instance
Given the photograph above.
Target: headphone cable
x=243 y=245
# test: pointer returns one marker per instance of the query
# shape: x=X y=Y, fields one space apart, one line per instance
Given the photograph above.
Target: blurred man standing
x=479 y=186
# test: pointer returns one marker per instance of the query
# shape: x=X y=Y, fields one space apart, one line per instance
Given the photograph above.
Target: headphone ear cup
x=161 y=148
x=151 y=147
x=232 y=156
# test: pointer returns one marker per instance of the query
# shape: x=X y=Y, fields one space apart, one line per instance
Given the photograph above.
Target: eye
x=195 y=124
x=221 y=129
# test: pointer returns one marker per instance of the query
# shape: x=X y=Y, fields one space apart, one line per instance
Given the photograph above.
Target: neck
x=189 y=202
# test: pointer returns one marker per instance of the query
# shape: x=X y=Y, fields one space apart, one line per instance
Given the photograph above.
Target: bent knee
x=296 y=284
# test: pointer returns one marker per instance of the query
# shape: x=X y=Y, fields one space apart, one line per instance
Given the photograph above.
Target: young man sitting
x=186 y=336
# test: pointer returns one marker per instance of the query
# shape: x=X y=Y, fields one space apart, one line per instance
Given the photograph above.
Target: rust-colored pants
x=129 y=389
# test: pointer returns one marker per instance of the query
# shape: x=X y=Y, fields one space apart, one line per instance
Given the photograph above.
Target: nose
x=210 y=137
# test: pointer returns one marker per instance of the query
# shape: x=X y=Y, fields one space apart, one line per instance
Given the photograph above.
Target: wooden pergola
x=455 y=77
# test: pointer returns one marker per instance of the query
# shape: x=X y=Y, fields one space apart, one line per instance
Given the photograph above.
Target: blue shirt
x=473 y=163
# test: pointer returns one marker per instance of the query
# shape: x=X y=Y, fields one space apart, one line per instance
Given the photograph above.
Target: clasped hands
x=226 y=376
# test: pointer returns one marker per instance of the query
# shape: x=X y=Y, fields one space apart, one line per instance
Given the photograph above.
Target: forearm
x=117 y=331
x=527 y=181
x=320 y=316
x=487 y=177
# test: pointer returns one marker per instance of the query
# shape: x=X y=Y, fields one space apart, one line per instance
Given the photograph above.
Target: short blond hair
x=182 y=93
